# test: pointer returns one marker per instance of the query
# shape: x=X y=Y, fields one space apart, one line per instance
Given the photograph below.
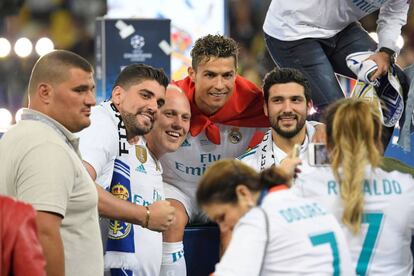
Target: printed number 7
x=328 y=237
x=374 y=225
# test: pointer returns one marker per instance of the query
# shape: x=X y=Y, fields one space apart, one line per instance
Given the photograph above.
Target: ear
x=117 y=95
x=45 y=92
x=191 y=73
x=244 y=196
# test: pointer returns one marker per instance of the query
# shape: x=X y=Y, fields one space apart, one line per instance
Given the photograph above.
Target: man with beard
x=116 y=128
x=287 y=103
x=131 y=249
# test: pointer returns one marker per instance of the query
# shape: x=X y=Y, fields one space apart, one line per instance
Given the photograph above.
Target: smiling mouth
x=217 y=94
x=149 y=117
x=173 y=134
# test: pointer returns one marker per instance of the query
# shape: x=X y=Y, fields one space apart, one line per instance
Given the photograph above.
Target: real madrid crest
x=141 y=153
x=235 y=135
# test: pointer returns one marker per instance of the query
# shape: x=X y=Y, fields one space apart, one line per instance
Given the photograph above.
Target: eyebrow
x=83 y=87
x=147 y=91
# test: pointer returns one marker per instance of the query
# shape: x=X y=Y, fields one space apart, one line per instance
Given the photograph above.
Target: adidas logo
x=141 y=169
x=185 y=143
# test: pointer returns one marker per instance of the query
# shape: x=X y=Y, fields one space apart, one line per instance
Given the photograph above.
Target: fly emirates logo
x=198 y=170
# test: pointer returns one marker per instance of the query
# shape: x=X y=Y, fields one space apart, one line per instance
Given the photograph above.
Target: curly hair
x=213 y=46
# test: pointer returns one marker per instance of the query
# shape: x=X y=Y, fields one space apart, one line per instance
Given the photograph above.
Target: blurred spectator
x=20 y=250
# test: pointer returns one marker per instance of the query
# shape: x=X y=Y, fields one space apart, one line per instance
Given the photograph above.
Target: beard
x=300 y=123
x=133 y=127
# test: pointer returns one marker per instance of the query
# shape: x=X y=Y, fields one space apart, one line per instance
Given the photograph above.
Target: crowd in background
x=71 y=26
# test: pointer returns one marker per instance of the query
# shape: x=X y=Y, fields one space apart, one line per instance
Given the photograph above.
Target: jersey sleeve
x=246 y=250
x=392 y=16
x=98 y=143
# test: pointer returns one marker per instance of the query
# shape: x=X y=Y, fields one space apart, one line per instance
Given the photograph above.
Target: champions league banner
x=120 y=42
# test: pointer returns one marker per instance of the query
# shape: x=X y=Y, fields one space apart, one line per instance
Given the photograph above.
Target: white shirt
x=389 y=203
x=184 y=167
x=294 y=20
x=266 y=154
x=99 y=143
x=302 y=239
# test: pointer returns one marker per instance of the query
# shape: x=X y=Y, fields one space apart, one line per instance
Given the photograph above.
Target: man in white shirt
x=113 y=146
x=287 y=104
x=315 y=38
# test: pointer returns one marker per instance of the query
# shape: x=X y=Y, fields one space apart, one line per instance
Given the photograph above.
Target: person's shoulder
x=248 y=155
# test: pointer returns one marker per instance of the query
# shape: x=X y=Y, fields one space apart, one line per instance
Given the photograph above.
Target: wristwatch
x=390 y=53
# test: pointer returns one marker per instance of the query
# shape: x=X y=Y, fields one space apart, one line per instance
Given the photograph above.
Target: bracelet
x=147 y=218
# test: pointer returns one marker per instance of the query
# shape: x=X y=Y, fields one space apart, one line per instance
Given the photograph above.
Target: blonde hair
x=354 y=140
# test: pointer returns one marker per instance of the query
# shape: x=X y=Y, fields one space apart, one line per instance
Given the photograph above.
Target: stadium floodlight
x=18 y=115
x=23 y=47
x=5 y=47
x=5 y=118
x=44 y=45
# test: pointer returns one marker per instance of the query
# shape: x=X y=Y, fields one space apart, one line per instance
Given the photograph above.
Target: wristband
x=147 y=217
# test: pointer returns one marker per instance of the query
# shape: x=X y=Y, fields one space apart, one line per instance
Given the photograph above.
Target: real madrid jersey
x=137 y=178
x=299 y=238
x=184 y=167
x=383 y=245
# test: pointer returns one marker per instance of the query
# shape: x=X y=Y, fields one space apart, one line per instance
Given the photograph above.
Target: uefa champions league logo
x=137 y=42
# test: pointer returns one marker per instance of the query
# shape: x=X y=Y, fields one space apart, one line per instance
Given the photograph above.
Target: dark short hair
x=54 y=67
x=285 y=75
x=138 y=72
x=213 y=46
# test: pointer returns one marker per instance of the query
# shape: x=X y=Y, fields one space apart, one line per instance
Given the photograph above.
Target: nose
x=153 y=106
x=287 y=106
x=219 y=83
x=90 y=99
x=223 y=227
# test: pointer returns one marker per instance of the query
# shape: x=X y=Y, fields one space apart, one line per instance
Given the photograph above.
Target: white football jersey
x=184 y=167
x=302 y=238
x=383 y=245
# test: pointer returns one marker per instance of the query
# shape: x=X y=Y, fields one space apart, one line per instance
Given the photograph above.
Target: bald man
x=142 y=251
x=40 y=163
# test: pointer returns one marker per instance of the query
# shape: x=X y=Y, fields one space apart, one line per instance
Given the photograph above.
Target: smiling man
x=226 y=112
x=287 y=103
x=116 y=155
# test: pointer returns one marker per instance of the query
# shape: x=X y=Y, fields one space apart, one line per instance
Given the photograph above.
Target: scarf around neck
x=243 y=109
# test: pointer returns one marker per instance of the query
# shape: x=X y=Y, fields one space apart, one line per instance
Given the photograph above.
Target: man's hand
x=162 y=215
x=382 y=59
x=320 y=134
x=290 y=166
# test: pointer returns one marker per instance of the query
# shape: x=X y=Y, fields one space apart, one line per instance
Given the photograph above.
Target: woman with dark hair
x=373 y=201
x=274 y=231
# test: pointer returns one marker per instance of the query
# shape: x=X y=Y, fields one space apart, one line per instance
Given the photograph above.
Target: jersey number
x=374 y=225
x=329 y=238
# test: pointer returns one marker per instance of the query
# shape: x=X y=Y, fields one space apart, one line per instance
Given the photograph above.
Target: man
x=41 y=164
x=316 y=38
x=287 y=104
x=226 y=112
x=120 y=159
